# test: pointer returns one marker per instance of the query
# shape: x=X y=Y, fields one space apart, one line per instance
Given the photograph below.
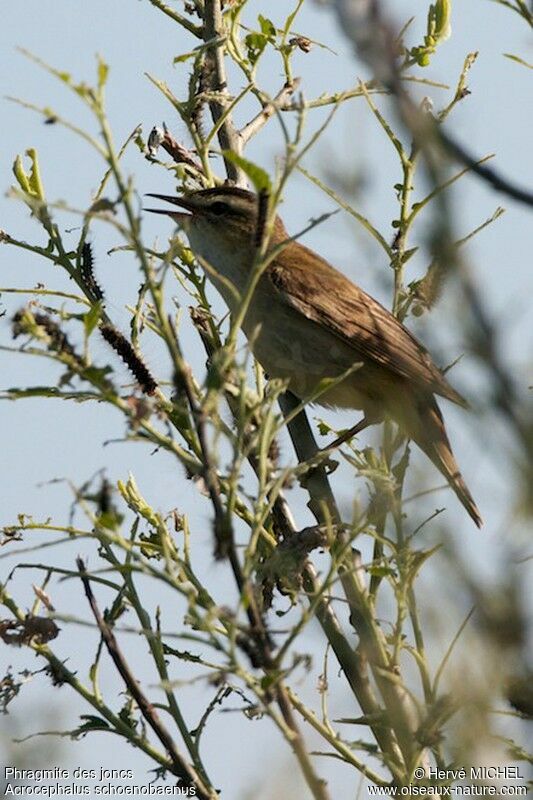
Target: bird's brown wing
x=324 y=295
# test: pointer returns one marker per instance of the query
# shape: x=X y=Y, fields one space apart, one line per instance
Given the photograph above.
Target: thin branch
x=228 y=136
x=488 y=174
x=323 y=506
x=317 y=484
x=450 y=649
x=335 y=741
x=420 y=204
x=316 y=784
x=179 y=766
x=196 y=30
x=278 y=103
x=258 y=629
x=520 y=8
x=379 y=52
x=178 y=152
x=55 y=119
x=223 y=527
x=39 y=290
x=63 y=675
x=353 y=665
x=372 y=230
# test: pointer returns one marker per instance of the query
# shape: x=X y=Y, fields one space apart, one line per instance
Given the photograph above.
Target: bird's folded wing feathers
x=328 y=298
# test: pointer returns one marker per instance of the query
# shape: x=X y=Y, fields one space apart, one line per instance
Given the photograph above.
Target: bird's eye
x=219 y=208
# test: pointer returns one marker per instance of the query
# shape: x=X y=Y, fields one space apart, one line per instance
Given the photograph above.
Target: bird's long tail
x=426 y=428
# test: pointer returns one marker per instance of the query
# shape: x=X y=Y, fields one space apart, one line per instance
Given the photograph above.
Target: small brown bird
x=306 y=322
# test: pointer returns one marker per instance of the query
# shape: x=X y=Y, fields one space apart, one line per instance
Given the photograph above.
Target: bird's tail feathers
x=429 y=433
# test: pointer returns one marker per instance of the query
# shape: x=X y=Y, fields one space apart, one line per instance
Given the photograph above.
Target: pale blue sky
x=41 y=440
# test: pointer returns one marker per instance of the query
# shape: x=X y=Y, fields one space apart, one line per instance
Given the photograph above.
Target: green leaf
x=84 y=91
x=44 y=391
x=98 y=376
x=111 y=520
x=184 y=655
x=36 y=186
x=31 y=184
x=443 y=13
x=438 y=30
x=127 y=717
x=184 y=57
x=409 y=254
x=267 y=27
x=131 y=495
x=420 y=55
x=91 y=318
x=419 y=558
x=518 y=60
x=380 y=572
x=139 y=142
x=93 y=672
x=267 y=681
x=399 y=469
x=20 y=175
x=92 y=723
x=102 y=73
x=255 y=44
x=257 y=175
x=66 y=77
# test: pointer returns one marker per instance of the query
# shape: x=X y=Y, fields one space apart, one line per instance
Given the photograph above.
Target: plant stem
x=227 y=134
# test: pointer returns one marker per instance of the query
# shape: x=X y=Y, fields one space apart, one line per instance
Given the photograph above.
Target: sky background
x=43 y=440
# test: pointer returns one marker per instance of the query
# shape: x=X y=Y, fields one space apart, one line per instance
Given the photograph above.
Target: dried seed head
x=43 y=328
x=302 y=43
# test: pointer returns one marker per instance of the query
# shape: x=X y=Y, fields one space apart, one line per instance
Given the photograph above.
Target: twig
x=353 y=665
x=375 y=44
x=335 y=741
x=323 y=506
x=178 y=152
x=179 y=765
x=62 y=675
x=278 y=103
x=317 y=484
x=367 y=225
x=228 y=136
x=316 y=784
x=488 y=174
x=258 y=630
x=179 y=18
x=223 y=527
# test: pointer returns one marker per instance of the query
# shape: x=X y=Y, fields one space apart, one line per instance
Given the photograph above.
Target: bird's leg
x=361 y=425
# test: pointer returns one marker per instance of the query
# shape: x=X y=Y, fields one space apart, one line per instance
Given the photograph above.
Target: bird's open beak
x=183 y=202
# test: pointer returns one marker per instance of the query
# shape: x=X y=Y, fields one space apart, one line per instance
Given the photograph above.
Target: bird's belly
x=290 y=347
